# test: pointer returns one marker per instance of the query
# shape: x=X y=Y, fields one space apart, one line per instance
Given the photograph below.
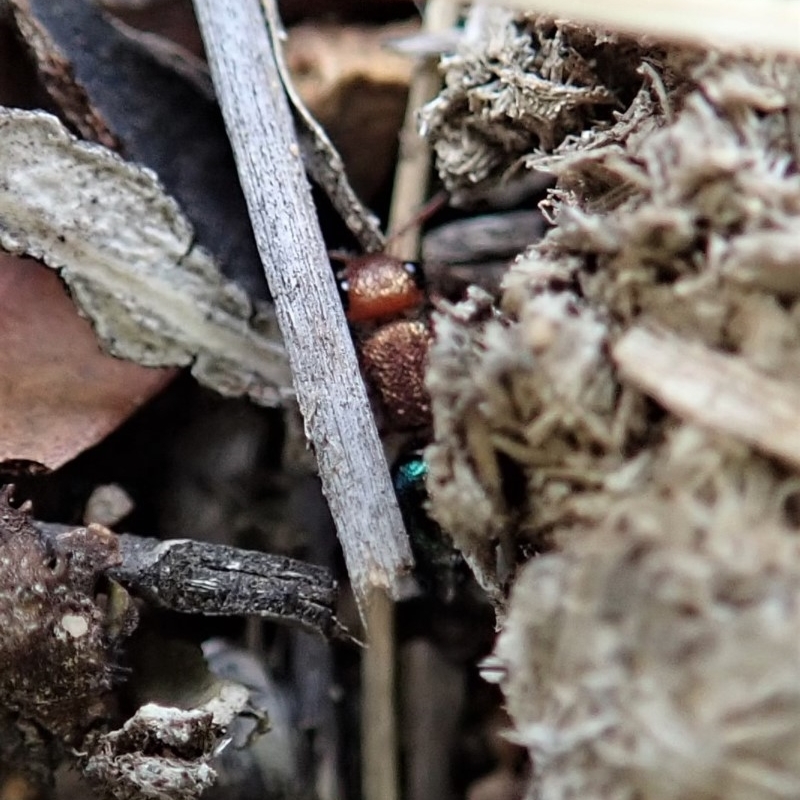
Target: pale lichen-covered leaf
x=119 y=92
x=129 y=258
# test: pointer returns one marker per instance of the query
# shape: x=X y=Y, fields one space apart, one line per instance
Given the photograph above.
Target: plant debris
x=57 y=662
x=65 y=616
x=356 y=89
x=628 y=415
x=614 y=431
x=118 y=93
x=656 y=653
x=511 y=88
x=159 y=753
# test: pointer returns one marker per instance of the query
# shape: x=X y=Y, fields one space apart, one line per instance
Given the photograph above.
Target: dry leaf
x=357 y=90
x=59 y=393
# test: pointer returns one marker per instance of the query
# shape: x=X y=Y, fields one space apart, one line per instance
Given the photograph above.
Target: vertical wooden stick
x=328 y=384
x=379 y=751
x=414 y=161
x=379 y=733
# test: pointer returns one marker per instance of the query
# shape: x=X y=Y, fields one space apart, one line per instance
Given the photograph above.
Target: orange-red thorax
x=379 y=286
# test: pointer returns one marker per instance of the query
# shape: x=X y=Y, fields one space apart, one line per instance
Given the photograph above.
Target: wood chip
x=772 y=25
x=718 y=391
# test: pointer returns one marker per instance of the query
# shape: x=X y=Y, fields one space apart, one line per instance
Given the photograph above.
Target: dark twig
x=217 y=580
x=212 y=579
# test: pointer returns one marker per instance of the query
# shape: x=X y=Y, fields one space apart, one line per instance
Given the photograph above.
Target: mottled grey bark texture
x=212 y=579
x=329 y=388
x=215 y=580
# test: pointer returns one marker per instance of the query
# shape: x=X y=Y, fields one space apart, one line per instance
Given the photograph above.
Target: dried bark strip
x=217 y=580
x=130 y=260
x=321 y=158
x=712 y=389
x=329 y=388
x=57 y=77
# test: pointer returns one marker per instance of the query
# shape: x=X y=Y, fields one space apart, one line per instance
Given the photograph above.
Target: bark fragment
x=131 y=262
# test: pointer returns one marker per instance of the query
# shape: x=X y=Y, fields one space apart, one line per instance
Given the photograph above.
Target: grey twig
x=330 y=391
x=217 y=580
x=321 y=158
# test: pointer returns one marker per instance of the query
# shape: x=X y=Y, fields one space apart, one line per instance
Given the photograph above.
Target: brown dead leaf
x=59 y=394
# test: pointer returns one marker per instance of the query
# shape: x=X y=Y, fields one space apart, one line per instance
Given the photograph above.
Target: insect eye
x=344 y=289
x=414 y=269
